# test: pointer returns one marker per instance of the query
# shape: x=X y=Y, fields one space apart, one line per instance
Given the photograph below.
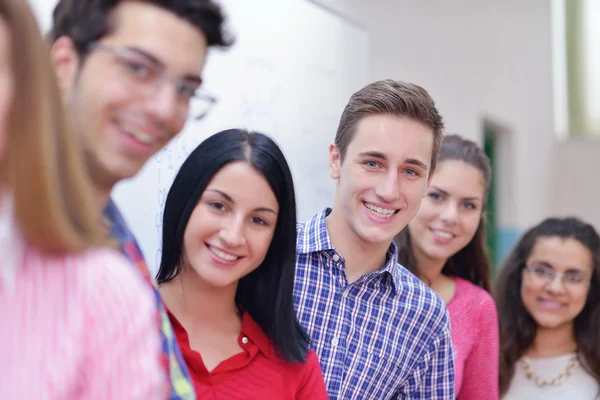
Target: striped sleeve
x=123 y=340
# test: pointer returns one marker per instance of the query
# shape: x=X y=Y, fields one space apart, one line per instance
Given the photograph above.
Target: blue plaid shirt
x=385 y=336
x=181 y=385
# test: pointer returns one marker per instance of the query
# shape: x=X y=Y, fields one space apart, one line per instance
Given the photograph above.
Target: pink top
x=474 y=326
x=74 y=327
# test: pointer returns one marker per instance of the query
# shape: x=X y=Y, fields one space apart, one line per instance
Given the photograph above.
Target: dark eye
x=541 y=271
x=260 y=221
x=187 y=89
x=217 y=206
x=434 y=196
x=575 y=278
x=137 y=68
x=470 y=206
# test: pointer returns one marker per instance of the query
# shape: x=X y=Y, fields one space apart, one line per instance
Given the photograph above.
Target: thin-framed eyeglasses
x=146 y=74
x=543 y=275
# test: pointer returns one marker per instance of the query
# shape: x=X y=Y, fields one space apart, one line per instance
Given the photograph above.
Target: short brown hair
x=42 y=165
x=396 y=98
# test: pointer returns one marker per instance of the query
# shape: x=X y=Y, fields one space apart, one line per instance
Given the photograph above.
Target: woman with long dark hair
x=227 y=272
x=444 y=245
x=548 y=296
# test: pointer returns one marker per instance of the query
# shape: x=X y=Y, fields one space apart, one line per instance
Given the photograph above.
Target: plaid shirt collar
x=313 y=237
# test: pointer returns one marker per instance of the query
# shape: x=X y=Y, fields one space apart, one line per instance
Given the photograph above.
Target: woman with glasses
x=548 y=296
x=444 y=245
x=227 y=272
x=77 y=323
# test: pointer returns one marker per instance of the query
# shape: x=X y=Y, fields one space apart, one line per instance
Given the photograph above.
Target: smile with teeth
x=222 y=254
x=138 y=134
x=380 y=212
x=443 y=234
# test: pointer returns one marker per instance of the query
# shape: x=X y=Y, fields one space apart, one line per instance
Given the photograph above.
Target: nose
x=388 y=188
x=163 y=105
x=450 y=213
x=556 y=285
x=232 y=233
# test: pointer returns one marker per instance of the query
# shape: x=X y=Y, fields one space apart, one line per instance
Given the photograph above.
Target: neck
x=553 y=342
x=361 y=257
x=194 y=302
x=103 y=196
x=429 y=269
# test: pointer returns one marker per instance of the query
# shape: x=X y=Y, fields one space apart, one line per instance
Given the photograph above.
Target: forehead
x=398 y=138
x=459 y=178
x=562 y=253
x=245 y=185
x=156 y=30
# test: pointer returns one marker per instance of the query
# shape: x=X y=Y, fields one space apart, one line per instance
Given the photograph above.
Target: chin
x=376 y=236
x=549 y=323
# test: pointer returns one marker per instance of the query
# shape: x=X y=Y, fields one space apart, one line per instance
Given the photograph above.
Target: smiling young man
x=130 y=72
x=378 y=330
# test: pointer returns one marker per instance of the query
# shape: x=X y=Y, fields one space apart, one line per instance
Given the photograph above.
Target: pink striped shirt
x=75 y=327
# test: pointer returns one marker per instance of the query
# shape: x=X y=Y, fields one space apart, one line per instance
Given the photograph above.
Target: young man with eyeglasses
x=130 y=72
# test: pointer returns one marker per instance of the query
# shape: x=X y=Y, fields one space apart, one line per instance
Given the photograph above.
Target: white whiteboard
x=289 y=75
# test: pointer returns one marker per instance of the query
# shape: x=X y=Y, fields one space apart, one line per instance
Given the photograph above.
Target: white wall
x=479 y=59
x=576 y=180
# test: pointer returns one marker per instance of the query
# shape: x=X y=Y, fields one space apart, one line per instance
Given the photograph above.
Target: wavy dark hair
x=471 y=262
x=517 y=327
x=267 y=292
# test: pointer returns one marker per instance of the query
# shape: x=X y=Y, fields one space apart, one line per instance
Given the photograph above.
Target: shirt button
x=336 y=258
x=245 y=340
x=344 y=294
x=335 y=341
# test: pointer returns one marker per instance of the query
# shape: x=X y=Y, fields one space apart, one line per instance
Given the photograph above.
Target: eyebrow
x=446 y=194
x=228 y=198
x=381 y=156
x=154 y=60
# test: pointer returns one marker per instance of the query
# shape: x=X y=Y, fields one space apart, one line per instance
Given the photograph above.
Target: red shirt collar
x=250 y=329
x=256 y=335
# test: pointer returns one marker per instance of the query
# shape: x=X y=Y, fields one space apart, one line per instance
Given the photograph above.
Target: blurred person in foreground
x=78 y=322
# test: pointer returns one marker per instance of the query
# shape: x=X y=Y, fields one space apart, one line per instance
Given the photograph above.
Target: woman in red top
x=227 y=272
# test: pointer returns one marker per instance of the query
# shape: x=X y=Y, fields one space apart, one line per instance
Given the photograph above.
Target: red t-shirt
x=255 y=373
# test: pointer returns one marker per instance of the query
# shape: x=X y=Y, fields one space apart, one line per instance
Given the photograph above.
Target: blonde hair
x=43 y=166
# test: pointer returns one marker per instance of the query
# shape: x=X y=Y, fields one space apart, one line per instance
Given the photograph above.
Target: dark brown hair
x=86 y=21
x=43 y=167
x=391 y=97
x=471 y=262
x=517 y=327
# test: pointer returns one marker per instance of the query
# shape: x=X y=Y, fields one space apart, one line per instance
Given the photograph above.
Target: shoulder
x=475 y=296
x=422 y=303
x=308 y=378
x=108 y=277
x=418 y=294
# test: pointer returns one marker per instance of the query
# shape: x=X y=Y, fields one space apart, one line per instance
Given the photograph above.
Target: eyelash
x=221 y=207
x=436 y=197
x=216 y=205
x=412 y=172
